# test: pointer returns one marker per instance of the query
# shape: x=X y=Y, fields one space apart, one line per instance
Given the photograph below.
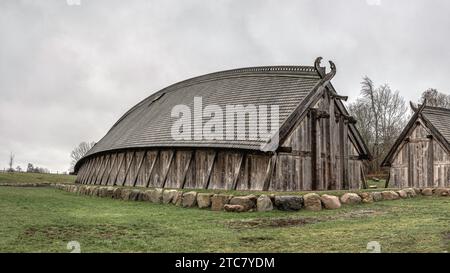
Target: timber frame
x=420 y=157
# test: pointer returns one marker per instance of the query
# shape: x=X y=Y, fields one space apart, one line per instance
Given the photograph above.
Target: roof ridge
x=437 y=108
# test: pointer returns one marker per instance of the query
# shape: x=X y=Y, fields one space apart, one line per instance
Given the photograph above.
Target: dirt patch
x=73 y=231
x=298 y=221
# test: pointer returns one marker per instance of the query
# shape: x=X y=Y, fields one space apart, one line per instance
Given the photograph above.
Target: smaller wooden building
x=421 y=155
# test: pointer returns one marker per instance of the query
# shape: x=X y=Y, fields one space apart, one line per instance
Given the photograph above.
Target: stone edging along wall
x=227 y=202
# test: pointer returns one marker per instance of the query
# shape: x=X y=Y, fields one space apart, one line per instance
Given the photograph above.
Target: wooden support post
x=102 y=169
x=118 y=169
x=94 y=170
x=269 y=173
x=113 y=162
x=237 y=170
x=363 y=178
x=186 y=168
x=430 y=165
x=139 y=168
x=315 y=156
x=332 y=148
x=210 y=170
x=168 y=168
x=152 y=166
x=343 y=140
x=128 y=168
x=410 y=164
x=388 y=180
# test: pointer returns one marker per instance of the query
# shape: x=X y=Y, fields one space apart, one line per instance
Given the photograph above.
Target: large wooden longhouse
x=319 y=147
x=421 y=155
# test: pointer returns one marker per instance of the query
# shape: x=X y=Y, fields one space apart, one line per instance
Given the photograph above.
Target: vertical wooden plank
x=140 y=160
x=314 y=149
x=210 y=170
x=152 y=158
x=102 y=169
x=112 y=165
x=237 y=170
x=186 y=168
x=93 y=173
x=116 y=169
x=132 y=162
x=166 y=167
x=431 y=162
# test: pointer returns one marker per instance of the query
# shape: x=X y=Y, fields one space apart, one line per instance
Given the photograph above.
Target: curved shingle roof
x=148 y=124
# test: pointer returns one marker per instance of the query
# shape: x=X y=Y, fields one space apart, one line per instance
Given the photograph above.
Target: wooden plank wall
x=420 y=161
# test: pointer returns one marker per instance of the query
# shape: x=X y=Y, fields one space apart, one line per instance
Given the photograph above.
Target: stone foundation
x=254 y=202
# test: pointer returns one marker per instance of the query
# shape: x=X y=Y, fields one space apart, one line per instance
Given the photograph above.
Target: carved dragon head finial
x=325 y=76
x=413 y=106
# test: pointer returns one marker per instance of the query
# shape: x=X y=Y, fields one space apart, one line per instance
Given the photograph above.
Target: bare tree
x=79 y=152
x=11 y=162
x=435 y=98
x=382 y=115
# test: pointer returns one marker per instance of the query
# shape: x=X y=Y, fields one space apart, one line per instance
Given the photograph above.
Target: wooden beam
x=102 y=169
x=339 y=97
x=168 y=168
x=152 y=166
x=128 y=167
x=314 y=148
x=388 y=180
x=430 y=165
x=269 y=172
x=119 y=167
x=237 y=170
x=139 y=168
x=113 y=162
x=186 y=169
x=331 y=146
x=410 y=165
x=210 y=169
x=363 y=178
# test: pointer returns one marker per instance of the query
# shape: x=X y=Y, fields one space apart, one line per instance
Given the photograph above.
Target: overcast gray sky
x=68 y=72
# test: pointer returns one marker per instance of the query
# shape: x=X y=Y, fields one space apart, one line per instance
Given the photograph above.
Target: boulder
x=410 y=192
x=263 y=203
x=247 y=202
x=189 y=199
x=145 y=195
x=366 y=197
x=330 y=201
x=312 y=202
x=403 y=194
x=350 y=198
x=134 y=195
x=117 y=194
x=390 y=195
x=176 y=200
x=155 y=196
x=204 y=200
x=442 y=192
x=234 y=208
x=418 y=191
x=95 y=191
x=125 y=195
x=288 y=203
x=427 y=192
x=109 y=192
x=377 y=196
x=103 y=191
x=168 y=196
x=218 y=201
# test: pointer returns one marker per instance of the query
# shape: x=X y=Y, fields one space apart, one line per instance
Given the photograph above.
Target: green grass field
x=46 y=219
x=35 y=178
